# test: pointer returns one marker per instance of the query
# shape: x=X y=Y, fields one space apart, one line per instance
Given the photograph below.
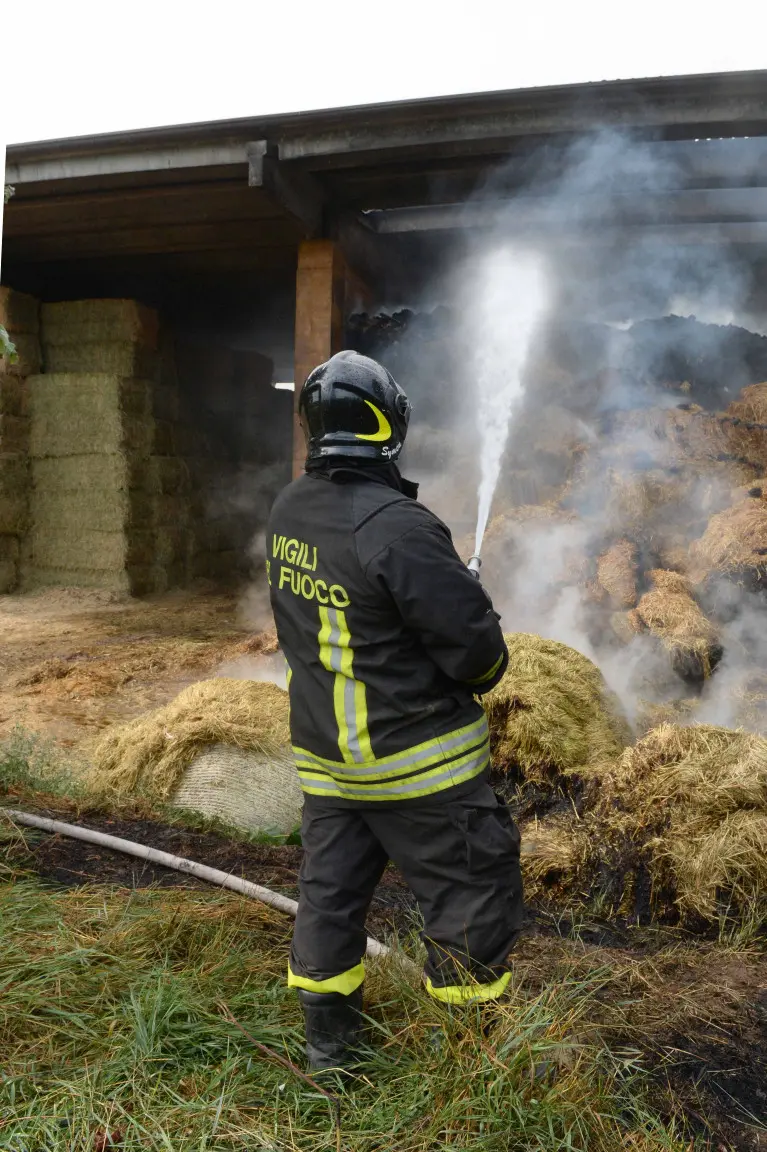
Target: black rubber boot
x=334 y=1029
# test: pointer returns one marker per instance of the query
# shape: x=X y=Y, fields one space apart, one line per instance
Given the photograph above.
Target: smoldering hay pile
x=630 y=517
x=673 y=826
x=222 y=748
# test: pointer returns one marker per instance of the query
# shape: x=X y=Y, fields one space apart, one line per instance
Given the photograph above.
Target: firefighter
x=388 y=640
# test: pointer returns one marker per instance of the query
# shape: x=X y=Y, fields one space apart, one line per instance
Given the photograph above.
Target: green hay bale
x=149 y=756
x=9 y=577
x=168 y=475
x=14 y=473
x=170 y=546
x=166 y=402
x=113 y=359
x=224 y=566
x=9 y=563
x=9 y=548
x=114 y=580
x=172 y=576
x=14 y=484
x=109 y=473
x=29 y=356
x=97 y=509
x=14 y=514
x=12 y=395
x=98 y=322
x=19 y=313
x=552 y=715
x=164 y=441
x=75 y=415
x=14 y=434
x=169 y=511
x=129 y=580
x=58 y=548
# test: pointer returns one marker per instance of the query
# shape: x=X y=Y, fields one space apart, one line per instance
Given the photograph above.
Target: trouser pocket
x=492 y=841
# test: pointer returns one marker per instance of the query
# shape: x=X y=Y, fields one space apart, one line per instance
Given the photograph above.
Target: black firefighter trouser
x=461 y=861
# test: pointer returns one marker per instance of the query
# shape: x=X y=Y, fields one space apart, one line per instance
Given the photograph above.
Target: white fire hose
x=167 y=860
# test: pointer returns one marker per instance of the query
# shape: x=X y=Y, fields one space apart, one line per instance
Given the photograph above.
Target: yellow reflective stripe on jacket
x=465 y=993
x=345 y=983
x=445 y=775
x=489 y=675
x=420 y=756
x=349 y=696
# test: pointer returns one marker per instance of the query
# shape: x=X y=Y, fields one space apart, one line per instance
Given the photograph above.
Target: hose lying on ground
x=178 y=863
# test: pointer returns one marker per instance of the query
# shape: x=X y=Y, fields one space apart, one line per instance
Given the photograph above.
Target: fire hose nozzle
x=474 y=566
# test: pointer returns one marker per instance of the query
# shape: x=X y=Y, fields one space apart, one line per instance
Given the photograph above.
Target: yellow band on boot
x=465 y=993
x=345 y=982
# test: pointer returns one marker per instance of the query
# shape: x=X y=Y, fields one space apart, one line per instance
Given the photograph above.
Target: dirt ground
x=73 y=662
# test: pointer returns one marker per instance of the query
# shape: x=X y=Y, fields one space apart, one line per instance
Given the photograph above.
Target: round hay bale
x=247 y=789
x=670 y=613
x=734 y=545
x=552 y=714
x=617 y=573
x=149 y=756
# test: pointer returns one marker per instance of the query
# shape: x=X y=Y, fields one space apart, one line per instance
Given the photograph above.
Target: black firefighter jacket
x=388 y=638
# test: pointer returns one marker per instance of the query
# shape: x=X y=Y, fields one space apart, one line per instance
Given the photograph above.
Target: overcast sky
x=82 y=66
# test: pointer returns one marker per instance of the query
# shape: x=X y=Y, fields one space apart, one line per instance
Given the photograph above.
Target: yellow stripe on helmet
x=384 y=427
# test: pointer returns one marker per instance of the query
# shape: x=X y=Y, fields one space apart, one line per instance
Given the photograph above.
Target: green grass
x=112 y=1022
x=113 y=1028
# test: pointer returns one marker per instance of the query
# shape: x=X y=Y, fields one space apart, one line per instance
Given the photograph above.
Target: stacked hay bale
x=19 y=315
x=222 y=748
x=107 y=506
x=242 y=460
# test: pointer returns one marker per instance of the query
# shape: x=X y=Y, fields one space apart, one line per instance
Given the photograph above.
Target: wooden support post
x=321 y=293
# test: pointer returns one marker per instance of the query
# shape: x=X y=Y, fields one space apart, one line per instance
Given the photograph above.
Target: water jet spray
x=506 y=298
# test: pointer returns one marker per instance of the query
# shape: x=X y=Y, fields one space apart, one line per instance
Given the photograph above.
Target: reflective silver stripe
x=333 y=640
x=419 y=784
x=350 y=711
x=436 y=749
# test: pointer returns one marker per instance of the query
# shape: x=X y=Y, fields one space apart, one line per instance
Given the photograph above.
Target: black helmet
x=351 y=406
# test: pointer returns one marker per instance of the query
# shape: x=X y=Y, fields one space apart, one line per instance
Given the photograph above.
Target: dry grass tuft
x=669 y=611
x=150 y=754
x=552 y=714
